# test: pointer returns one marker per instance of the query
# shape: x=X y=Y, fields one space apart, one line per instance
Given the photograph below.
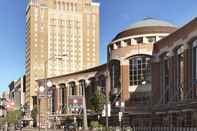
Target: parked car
x=69 y=127
x=19 y=125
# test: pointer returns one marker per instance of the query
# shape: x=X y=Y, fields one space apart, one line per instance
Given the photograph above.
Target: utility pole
x=39 y=114
x=85 y=123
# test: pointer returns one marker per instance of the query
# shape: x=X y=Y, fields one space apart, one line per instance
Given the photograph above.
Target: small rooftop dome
x=146 y=26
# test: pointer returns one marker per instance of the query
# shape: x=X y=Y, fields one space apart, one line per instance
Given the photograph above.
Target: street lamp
x=48 y=84
x=40 y=93
x=120 y=105
x=84 y=86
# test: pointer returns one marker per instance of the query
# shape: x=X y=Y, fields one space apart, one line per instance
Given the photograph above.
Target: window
x=180 y=71
x=165 y=79
x=194 y=59
x=139 y=40
x=139 y=69
x=72 y=90
x=128 y=42
x=82 y=87
x=118 y=44
x=166 y=72
x=62 y=97
x=194 y=66
x=115 y=73
x=151 y=39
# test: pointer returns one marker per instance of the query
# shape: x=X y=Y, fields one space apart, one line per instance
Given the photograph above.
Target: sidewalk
x=36 y=129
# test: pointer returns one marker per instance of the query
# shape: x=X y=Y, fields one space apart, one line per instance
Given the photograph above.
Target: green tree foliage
x=2 y=121
x=97 y=101
x=13 y=116
x=95 y=124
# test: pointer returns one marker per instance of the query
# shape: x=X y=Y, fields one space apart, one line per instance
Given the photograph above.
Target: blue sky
x=115 y=15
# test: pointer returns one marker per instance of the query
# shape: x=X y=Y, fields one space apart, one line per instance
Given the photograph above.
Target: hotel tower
x=62 y=36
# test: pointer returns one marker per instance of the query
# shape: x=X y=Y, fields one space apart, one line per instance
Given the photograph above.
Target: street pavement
x=36 y=129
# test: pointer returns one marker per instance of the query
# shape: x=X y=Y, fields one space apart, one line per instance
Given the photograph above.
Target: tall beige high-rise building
x=55 y=28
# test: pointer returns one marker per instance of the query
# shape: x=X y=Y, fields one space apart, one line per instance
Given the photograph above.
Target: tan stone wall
x=38 y=41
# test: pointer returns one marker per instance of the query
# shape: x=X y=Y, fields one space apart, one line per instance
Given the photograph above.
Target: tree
x=97 y=101
x=2 y=121
x=13 y=116
x=34 y=114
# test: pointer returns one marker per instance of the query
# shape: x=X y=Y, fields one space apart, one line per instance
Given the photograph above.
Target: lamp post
x=49 y=84
x=41 y=94
x=120 y=105
x=38 y=91
x=43 y=91
x=85 y=123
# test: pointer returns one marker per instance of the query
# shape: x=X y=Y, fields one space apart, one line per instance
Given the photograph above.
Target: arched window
x=53 y=99
x=82 y=86
x=72 y=88
x=194 y=46
x=165 y=78
x=62 y=96
x=115 y=73
x=180 y=71
x=139 y=69
x=194 y=67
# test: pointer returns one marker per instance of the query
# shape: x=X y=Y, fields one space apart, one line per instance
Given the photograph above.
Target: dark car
x=69 y=127
x=19 y=125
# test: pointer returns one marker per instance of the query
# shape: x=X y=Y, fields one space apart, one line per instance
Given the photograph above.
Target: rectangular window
x=128 y=42
x=151 y=39
x=139 y=40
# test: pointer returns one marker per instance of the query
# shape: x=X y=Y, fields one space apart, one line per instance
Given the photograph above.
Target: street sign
x=108 y=110
x=104 y=111
x=75 y=104
x=120 y=116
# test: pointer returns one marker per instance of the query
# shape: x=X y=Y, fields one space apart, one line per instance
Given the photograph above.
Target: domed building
x=127 y=73
x=130 y=55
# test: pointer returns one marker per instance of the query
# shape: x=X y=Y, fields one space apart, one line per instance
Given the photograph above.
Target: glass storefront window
x=139 y=69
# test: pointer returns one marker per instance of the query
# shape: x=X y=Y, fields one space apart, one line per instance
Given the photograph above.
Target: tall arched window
x=194 y=67
x=62 y=96
x=180 y=71
x=115 y=73
x=165 y=78
x=139 y=69
x=72 y=88
x=194 y=45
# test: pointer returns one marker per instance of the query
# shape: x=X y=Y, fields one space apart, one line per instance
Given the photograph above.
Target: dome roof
x=147 y=22
x=147 y=26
